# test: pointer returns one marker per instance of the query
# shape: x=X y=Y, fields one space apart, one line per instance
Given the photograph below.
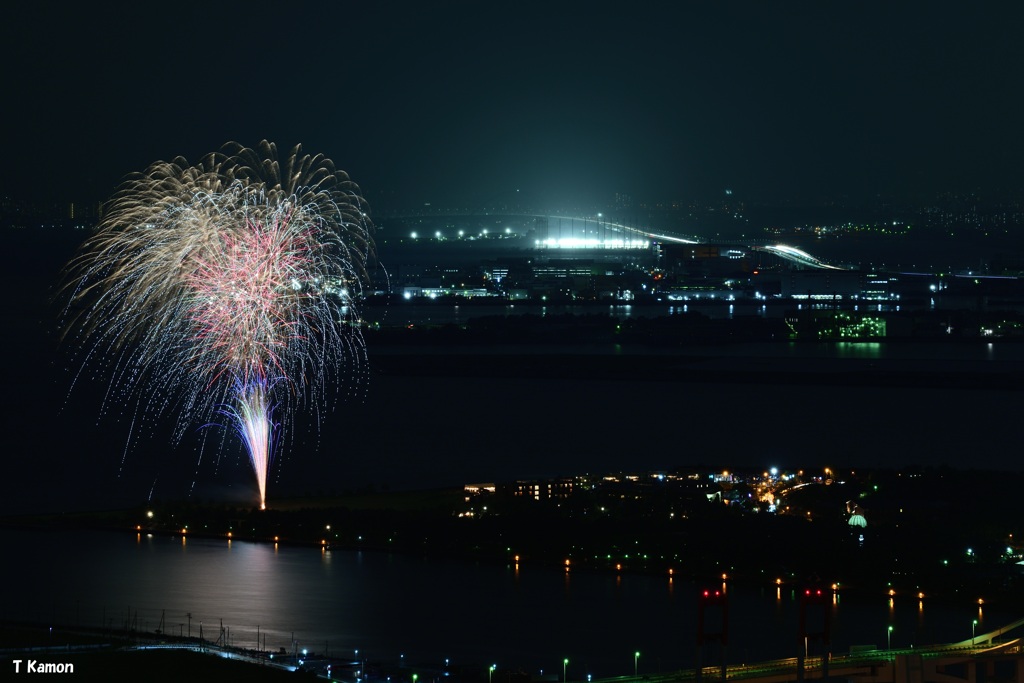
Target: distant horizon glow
x=592 y=243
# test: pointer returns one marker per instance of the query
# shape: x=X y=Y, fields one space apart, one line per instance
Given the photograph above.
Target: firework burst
x=226 y=288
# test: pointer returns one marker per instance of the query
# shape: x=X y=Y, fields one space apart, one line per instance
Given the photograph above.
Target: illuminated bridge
x=599 y=233
x=797 y=256
x=602 y=234
x=986 y=658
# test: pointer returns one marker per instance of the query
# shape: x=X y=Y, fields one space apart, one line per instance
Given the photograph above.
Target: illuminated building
x=833 y=324
x=540 y=489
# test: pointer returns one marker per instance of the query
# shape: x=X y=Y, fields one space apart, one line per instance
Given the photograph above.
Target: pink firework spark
x=247 y=300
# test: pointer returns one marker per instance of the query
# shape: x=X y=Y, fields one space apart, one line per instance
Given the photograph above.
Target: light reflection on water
x=520 y=616
x=858 y=349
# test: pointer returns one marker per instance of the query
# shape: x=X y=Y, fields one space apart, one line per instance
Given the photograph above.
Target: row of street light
x=888 y=635
x=636 y=658
x=565 y=667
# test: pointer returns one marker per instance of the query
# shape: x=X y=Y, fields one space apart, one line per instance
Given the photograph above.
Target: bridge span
x=986 y=658
x=600 y=232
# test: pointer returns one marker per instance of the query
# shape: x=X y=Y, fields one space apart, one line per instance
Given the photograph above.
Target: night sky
x=462 y=104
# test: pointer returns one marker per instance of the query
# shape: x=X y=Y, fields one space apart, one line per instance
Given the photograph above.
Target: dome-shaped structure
x=857 y=519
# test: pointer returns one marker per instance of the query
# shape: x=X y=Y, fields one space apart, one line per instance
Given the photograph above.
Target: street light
x=889 y=636
x=565 y=663
x=490 y=672
x=974 y=625
x=636 y=658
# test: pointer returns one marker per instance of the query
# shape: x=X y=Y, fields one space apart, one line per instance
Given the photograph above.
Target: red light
x=819 y=592
x=705 y=594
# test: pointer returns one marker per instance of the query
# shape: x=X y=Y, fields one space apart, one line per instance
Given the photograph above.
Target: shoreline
x=951 y=592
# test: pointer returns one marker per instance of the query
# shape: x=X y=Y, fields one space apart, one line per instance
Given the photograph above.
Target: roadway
x=866 y=664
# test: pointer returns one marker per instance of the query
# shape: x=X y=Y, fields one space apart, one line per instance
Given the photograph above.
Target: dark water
x=433 y=431
x=390 y=606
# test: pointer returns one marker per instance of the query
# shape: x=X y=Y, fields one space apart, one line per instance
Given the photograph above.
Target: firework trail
x=226 y=288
